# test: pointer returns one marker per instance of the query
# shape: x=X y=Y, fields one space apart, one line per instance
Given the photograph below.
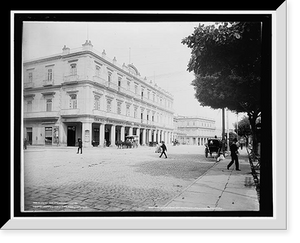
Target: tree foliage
x=244 y=128
x=226 y=60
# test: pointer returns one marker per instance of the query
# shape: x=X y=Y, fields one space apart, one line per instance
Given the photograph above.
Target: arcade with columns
x=106 y=132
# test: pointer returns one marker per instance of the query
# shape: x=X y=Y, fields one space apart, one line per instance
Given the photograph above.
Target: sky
x=154 y=48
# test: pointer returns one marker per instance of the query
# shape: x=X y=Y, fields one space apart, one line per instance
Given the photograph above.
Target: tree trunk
x=252 y=120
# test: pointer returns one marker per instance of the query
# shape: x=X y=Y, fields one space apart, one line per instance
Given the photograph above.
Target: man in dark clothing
x=25 y=143
x=79 y=146
x=234 y=156
x=164 y=148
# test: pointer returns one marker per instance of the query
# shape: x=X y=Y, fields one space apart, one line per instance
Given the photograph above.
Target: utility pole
x=227 y=111
x=223 y=130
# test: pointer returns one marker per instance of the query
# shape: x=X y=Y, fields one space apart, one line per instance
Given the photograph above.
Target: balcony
x=28 y=85
x=71 y=78
x=41 y=115
x=48 y=82
x=99 y=80
x=69 y=112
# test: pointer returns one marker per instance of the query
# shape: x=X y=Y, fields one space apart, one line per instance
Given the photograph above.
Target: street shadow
x=186 y=167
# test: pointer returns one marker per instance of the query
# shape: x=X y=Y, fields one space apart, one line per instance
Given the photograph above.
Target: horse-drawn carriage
x=131 y=141
x=213 y=145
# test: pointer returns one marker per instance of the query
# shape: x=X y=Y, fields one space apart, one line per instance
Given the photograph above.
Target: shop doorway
x=96 y=135
x=107 y=135
x=71 y=136
x=29 y=135
x=48 y=135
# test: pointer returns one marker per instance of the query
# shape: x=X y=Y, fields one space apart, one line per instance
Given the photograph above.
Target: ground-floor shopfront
x=41 y=131
x=94 y=131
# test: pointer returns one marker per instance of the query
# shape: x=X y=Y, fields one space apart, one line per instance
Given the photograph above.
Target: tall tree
x=242 y=128
x=226 y=61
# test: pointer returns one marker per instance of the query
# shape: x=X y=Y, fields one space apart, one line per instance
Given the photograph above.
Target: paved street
x=110 y=179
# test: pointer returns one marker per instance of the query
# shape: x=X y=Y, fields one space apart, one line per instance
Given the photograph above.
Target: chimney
x=66 y=50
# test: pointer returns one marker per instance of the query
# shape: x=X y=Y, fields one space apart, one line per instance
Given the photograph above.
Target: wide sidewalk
x=219 y=189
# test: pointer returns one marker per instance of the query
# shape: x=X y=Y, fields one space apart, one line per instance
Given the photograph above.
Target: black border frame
x=266 y=206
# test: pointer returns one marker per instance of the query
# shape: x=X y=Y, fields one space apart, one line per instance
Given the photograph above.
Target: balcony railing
x=41 y=114
x=71 y=78
x=48 y=82
x=28 y=85
x=99 y=80
x=68 y=112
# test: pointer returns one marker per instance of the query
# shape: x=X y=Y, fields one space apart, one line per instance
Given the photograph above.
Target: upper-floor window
x=73 y=101
x=108 y=105
x=97 y=73
x=119 y=108
x=135 y=112
x=49 y=105
x=128 y=84
x=109 y=76
x=135 y=88
x=29 y=105
x=97 y=102
x=73 y=69
x=127 y=109
x=50 y=74
x=119 y=83
x=30 y=77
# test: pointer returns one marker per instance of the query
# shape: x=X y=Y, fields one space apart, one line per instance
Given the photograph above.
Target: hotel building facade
x=81 y=93
x=194 y=130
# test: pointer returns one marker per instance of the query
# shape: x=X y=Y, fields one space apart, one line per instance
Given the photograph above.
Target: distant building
x=81 y=93
x=194 y=130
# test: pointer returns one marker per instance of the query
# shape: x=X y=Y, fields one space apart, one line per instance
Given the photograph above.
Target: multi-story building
x=194 y=130
x=81 y=93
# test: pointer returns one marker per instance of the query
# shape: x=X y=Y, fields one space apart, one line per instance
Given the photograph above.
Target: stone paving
x=110 y=179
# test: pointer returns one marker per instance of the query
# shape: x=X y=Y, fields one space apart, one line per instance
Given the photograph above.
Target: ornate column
x=122 y=134
x=144 y=137
x=150 y=135
x=86 y=136
x=138 y=131
x=154 y=136
x=130 y=131
x=102 y=134
x=113 y=136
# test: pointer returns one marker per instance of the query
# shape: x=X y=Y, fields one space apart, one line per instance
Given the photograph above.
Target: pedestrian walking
x=234 y=155
x=164 y=149
x=25 y=143
x=79 y=146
